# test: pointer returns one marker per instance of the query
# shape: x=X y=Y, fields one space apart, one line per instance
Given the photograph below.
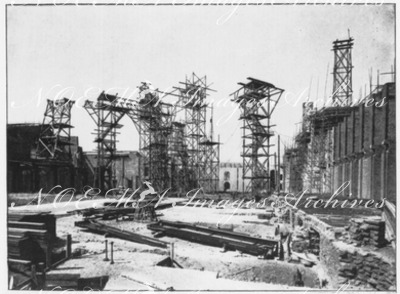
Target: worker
x=285 y=233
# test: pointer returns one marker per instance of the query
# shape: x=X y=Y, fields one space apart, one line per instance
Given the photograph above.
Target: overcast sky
x=78 y=51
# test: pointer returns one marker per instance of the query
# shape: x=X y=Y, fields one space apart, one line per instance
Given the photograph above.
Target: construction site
x=318 y=213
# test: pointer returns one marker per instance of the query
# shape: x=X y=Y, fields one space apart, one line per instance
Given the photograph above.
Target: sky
x=78 y=51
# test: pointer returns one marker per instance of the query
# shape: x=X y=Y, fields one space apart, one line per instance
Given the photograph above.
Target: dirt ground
x=205 y=267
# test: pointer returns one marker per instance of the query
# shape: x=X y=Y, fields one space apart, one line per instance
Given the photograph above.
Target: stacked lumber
x=97 y=227
x=62 y=281
x=217 y=237
x=142 y=212
x=28 y=219
x=31 y=236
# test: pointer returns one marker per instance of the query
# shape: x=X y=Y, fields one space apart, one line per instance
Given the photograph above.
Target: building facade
x=352 y=146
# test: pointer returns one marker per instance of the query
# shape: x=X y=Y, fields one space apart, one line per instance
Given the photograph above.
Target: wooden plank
x=216 y=237
x=62 y=276
x=114 y=232
x=29 y=225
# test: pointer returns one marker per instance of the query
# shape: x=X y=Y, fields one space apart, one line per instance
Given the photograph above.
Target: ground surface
x=205 y=267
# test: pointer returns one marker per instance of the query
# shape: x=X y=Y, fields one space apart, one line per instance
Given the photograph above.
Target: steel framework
x=342 y=72
x=55 y=135
x=106 y=113
x=257 y=101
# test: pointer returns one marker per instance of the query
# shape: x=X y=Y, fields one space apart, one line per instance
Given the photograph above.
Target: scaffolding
x=179 y=157
x=176 y=155
x=319 y=150
x=203 y=152
x=342 y=72
x=210 y=177
x=153 y=120
x=106 y=113
x=55 y=135
x=257 y=100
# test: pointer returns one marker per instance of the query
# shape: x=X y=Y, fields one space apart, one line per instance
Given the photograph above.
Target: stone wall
x=346 y=264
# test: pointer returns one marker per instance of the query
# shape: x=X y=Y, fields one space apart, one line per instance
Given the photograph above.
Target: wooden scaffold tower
x=106 y=113
x=203 y=159
x=257 y=101
x=342 y=72
x=55 y=135
x=153 y=119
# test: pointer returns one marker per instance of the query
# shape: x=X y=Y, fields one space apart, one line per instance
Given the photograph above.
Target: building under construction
x=347 y=149
x=177 y=147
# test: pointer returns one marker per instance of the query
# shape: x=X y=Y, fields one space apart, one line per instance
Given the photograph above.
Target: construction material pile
x=139 y=211
x=367 y=231
x=31 y=236
x=362 y=268
x=97 y=227
x=225 y=239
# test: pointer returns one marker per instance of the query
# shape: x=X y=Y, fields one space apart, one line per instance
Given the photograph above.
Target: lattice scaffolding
x=55 y=135
x=342 y=72
x=179 y=158
x=257 y=101
x=153 y=119
x=201 y=160
x=106 y=114
x=210 y=177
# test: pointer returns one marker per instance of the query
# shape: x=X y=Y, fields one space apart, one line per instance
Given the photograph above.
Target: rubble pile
x=368 y=269
x=369 y=231
x=306 y=239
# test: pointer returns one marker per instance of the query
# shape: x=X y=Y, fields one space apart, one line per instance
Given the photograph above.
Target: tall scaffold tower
x=55 y=135
x=106 y=113
x=193 y=95
x=210 y=178
x=257 y=100
x=179 y=157
x=153 y=120
x=342 y=72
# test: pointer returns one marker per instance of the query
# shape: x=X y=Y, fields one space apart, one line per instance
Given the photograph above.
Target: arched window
x=227 y=176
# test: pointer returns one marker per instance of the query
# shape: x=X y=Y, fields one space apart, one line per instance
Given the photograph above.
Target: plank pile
x=97 y=227
x=142 y=212
x=69 y=282
x=31 y=237
x=217 y=237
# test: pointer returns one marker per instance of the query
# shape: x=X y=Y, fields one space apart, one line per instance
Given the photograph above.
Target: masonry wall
x=230 y=177
x=27 y=174
x=365 y=148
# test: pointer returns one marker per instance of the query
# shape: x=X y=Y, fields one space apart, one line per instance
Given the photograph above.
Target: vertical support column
x=69 y=246
x=279 y=164
x=171 y=252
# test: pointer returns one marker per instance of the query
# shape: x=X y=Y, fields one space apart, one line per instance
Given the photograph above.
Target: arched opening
x=227 y=186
